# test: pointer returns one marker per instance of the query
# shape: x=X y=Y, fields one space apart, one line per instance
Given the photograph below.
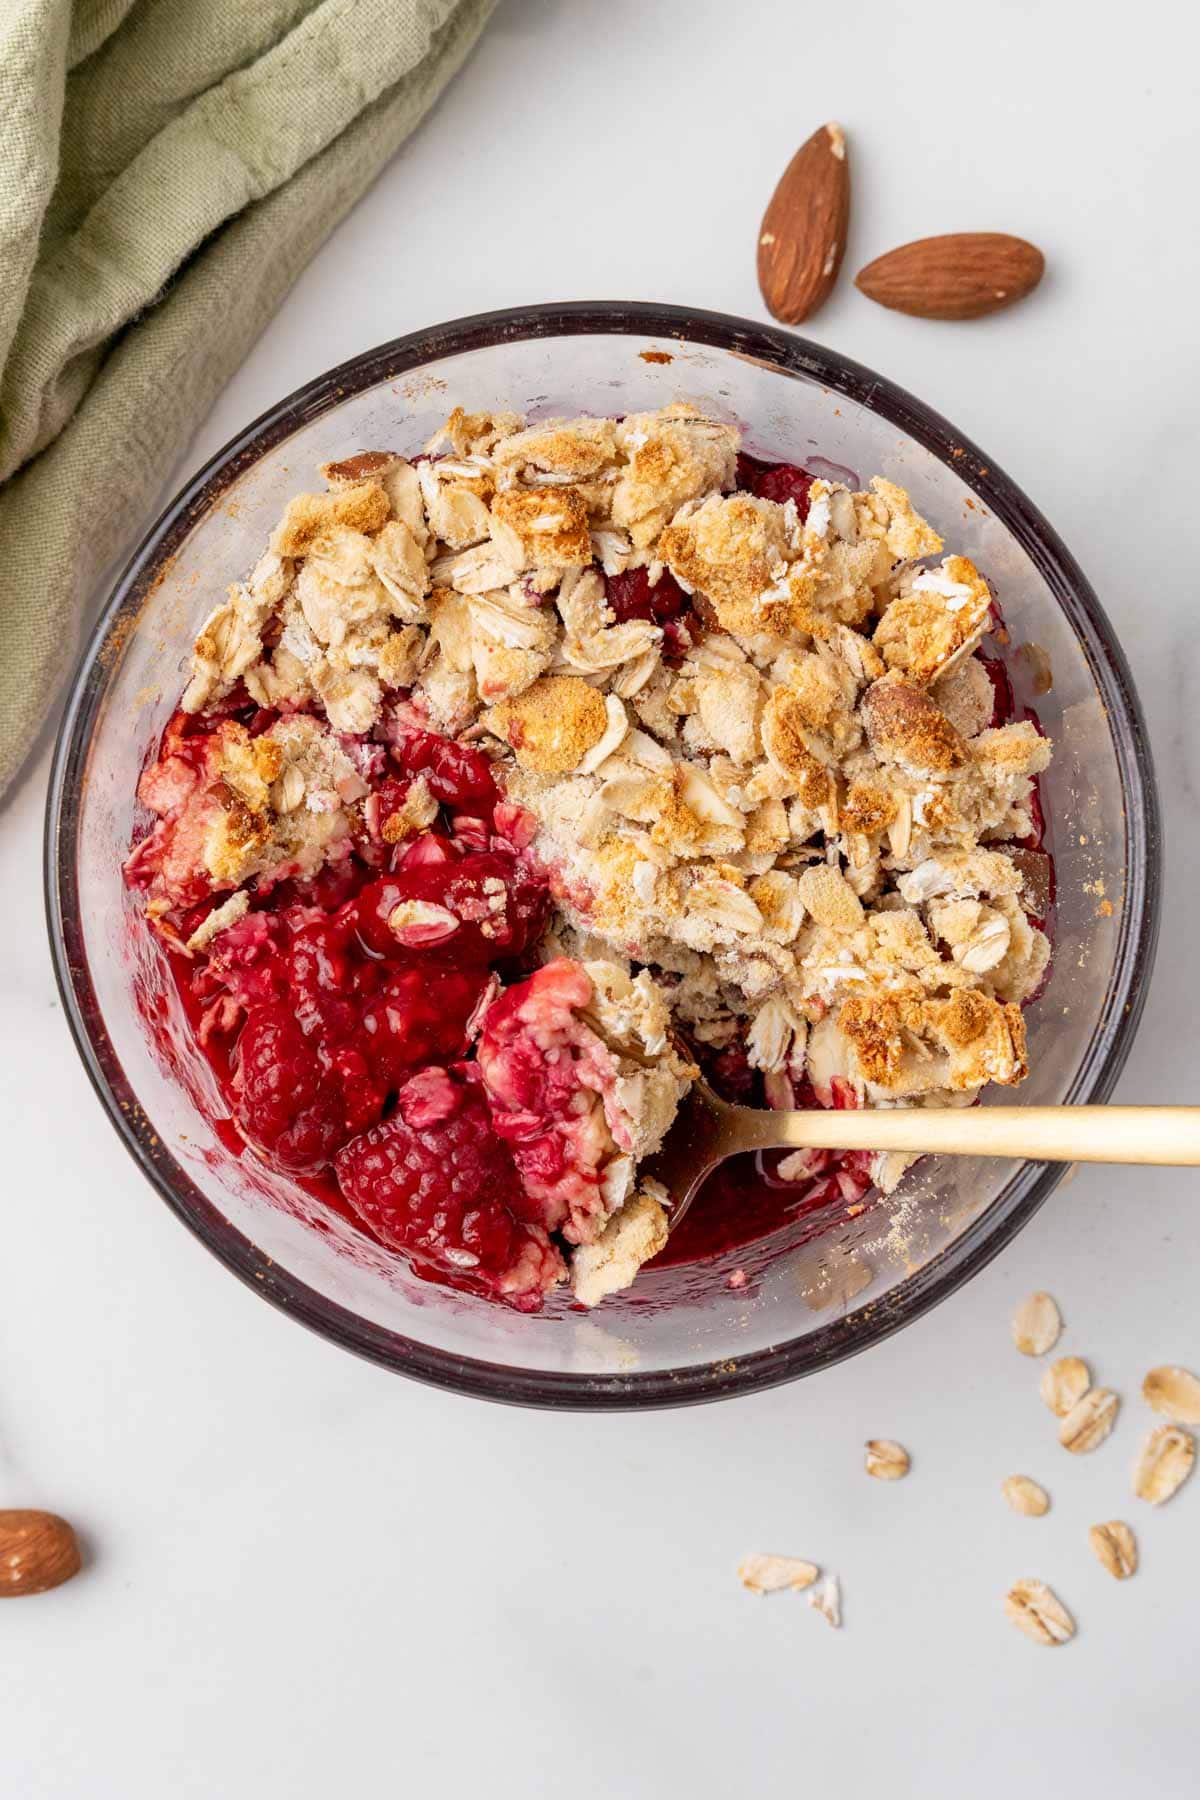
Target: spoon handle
x=1101 y=1134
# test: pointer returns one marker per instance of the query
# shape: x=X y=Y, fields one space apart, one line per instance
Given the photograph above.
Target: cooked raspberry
x=780 y=482
x=545 y=1072
x=446 y=1192
x=431 y=847
x=632 y=596
x=1004 y=703
x=457 y=775
x=419 y=1015
x=285 y=1099
x=500 y=909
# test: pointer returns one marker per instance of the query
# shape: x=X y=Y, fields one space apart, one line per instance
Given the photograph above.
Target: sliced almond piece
x=1036 y=1325
x=803 y=235
x=886 y=1460
x=1116 y=1547
x=1064 y=1384
x=1037 y=1611
x=764 y=1574
x=1026 y=1496
x=1174 y=1392
x=963 y=275
x=828 y=1600
x=1089 y=1421
x=1166 y=1461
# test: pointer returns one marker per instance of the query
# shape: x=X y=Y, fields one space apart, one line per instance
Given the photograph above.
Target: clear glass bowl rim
x=1029 y=1186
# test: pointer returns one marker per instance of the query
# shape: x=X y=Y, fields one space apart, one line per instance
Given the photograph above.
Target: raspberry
x=440 y=1185
x=631 y=596
x=285 y=1100
x=499 y=908
x=775 y=481
x=1003 y=700
x=457 y=775
x=419 y=1015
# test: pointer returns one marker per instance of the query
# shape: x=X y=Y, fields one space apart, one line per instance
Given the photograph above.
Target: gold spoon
x=707 y=1130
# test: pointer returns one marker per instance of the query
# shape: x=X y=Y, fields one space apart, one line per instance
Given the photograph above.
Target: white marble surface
x=310 y=1578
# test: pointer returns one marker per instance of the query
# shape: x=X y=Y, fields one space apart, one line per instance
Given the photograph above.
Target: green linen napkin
x=167 y=168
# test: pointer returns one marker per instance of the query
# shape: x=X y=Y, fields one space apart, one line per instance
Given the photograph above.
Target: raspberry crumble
x=527 y=773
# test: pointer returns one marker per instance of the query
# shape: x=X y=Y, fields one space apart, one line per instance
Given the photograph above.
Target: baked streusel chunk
x=740 y=732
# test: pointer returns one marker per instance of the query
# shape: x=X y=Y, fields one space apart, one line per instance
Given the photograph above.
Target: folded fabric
x=167 y=168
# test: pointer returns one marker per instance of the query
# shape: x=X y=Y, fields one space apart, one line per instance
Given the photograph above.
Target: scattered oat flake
x=1174 y=1392
x=1064 y=1384
x=764 y=1574
x=1165 y=1463
x=1026 y=1496
x=1036 y=1325
x=1116 y=1547
x=1089 y=1421
x=1037 y=1611
x=828 y=1600
x=887 y=1460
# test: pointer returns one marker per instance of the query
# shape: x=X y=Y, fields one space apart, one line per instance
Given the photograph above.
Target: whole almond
x=961 y=276
x=38 y=1550
x=803 y=235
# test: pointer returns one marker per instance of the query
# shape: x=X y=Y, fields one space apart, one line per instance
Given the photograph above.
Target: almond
x=803 y=235
x=38 y=1550
x=961 y=276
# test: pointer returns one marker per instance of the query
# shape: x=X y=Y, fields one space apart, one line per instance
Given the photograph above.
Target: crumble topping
x=774 y=808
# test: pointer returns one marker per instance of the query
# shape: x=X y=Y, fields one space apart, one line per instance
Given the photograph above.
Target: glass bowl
x=682 y=1334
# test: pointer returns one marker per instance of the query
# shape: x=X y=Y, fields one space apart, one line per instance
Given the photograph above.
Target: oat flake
x=1165 y=1463
x=764 y=1574
x=1036 y=1325
x=1116 y=1548
x=828 y=1600
x=1064 y=1384
x=886 y=1460
x=1089 y=1421
x=1173 y=1392
x=1026 y=1496
x=1037 y=1611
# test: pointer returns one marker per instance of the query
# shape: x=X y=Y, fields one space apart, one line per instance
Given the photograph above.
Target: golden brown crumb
x=830 y=899
x=364 y=508
x=874 y=1024
x=867 y=810
x=728 y=550
x=579 y=447
x=785 y=738
x=925 y=629
x=552 y=725
x=550 y=526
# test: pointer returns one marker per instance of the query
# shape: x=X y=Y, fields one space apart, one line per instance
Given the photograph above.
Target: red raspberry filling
x=632 y=595
x=436 y=1182
x=780 y=482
